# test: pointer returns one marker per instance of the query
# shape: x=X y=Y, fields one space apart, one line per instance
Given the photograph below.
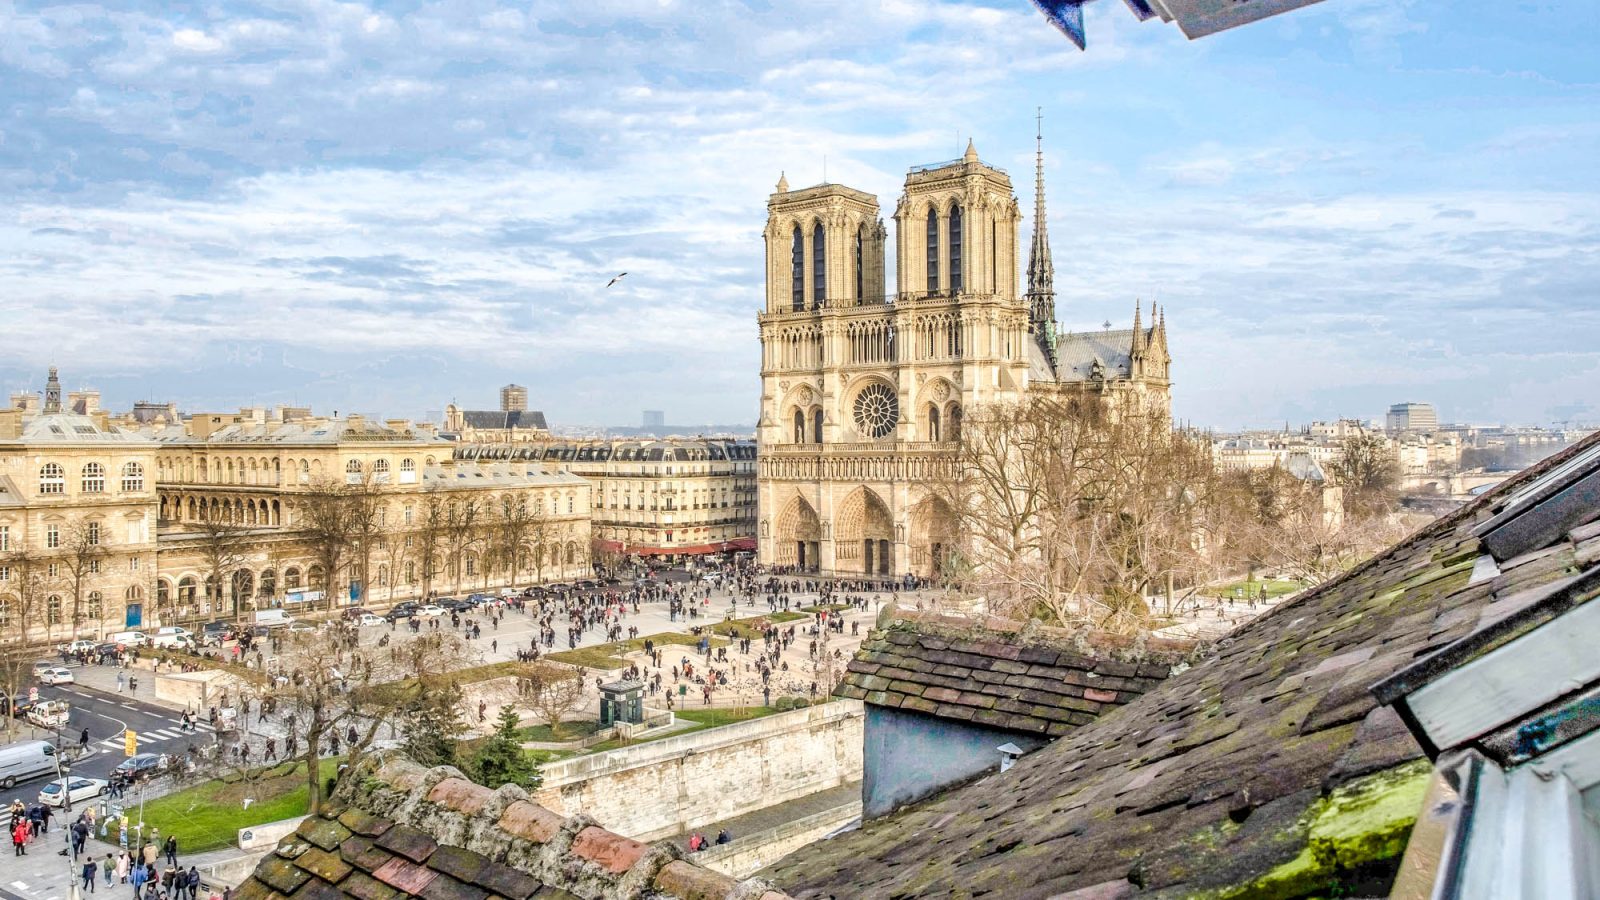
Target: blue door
x=135 y=614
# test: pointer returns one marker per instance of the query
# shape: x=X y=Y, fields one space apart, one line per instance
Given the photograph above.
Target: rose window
x=877 y=410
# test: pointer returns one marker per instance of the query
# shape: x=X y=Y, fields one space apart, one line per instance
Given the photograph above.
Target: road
x=106 y=716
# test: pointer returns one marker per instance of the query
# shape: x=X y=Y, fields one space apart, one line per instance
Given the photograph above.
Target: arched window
x=269 y=583
x=52 y=479
x=933 y=422
x=933 y=250
x=94 y=478
x=352 y=472
x=860 y=265
x=305 y=472
x=380 y=471
x=291 y=578
x=799 y=427
x=955 y=248
x=163 y=592
x=132 y=477
x=816 y=425
x=186 y=589
x=408 y=471
x=797 y=266
x=819 y=266
x=953 y=416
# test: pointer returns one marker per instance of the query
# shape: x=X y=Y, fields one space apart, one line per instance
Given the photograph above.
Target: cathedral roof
x=1269 y=769
x=488 y=419
x=1078 y=352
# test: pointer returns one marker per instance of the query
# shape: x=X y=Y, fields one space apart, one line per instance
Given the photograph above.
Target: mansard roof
x=1269 y=769
x=399 y=830
x=489 y=419
x=67 y=429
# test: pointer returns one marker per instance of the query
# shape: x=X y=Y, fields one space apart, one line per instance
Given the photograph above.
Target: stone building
x=669 y=499
x=106 y=526
x=78 y=511
x=262 y=477
x=863 y=391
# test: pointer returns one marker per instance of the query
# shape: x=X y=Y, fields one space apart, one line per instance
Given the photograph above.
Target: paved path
x=761 y=820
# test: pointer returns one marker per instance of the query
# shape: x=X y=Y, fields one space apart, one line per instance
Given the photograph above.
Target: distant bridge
x=1460 y=486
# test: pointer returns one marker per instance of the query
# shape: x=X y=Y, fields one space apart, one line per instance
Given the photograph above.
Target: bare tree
x=222 y=544
x=1369 y=474
x=464 y=519
x=337 y=690
x=21 y=600
x=512 y=534
x=552 y=691
x=83 y=551
x=432 y=537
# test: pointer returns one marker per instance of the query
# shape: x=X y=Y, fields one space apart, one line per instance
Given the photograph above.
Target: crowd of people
x=151 y=867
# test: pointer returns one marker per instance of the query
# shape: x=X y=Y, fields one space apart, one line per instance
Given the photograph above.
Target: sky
x=384 y=208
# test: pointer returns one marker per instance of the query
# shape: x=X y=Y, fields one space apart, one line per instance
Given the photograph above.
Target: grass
x=1252 y=588
x=706 y=717
x=610 y=656
x=747 y=628
x=570 y=731
x=830 y=607
x=210 y=814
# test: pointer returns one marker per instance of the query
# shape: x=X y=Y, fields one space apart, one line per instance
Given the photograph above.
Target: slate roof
x=397 y=830
x=1218 y=779
x=1076 y=353
x=1002 y=673
x=71 y=429
x=487 y=419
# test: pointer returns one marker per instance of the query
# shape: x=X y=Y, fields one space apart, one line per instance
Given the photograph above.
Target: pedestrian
x=83 y=739
x=137 y=878
x=108 y=868
x=172 y=849
x=120 y=681
x=123 y=862
x=19 y=838
x=194 y=882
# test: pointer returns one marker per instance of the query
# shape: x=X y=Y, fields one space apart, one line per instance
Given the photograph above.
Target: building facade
x=665 y=499
x=107 y=526
x=863 y=391
x=78 y=510
x=1412 y=417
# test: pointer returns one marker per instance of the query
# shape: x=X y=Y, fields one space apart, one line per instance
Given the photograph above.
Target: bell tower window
x=933 y=251
x=819 y=266
x=955 y=248
x=860 y=278
x=797 y=264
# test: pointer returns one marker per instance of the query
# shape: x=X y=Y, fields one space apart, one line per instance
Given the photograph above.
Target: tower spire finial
x=1041 y=271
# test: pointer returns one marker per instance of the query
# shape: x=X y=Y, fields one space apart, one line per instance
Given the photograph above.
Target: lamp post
x=64 y=770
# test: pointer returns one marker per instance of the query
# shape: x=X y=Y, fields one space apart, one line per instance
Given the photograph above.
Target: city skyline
x=335 y=207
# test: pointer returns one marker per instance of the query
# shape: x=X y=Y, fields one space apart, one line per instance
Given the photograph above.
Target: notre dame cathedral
x=862 y=390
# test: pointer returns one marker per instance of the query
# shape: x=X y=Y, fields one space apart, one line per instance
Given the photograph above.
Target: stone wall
x=747 y=855
x=669 y=786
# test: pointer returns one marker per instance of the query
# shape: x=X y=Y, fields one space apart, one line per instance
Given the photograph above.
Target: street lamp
x=64 y=769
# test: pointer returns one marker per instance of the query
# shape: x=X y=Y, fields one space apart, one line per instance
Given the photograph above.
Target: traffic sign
x=130 y=742
x=33 y=695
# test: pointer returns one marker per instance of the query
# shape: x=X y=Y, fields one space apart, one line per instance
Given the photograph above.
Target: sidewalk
x=43 y=874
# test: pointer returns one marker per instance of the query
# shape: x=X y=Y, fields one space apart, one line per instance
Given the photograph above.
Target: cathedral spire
x=1041 y=271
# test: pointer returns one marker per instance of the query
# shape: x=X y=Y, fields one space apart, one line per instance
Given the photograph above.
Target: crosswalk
x=157 y=735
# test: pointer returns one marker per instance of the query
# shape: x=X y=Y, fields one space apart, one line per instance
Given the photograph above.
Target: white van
x=129 y=638
x=171 y=636
x=25 y=760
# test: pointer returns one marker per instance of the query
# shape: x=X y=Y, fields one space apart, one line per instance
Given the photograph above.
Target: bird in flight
x=615 y=280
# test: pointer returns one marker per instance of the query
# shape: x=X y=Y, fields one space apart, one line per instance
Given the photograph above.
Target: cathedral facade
x=863 y=391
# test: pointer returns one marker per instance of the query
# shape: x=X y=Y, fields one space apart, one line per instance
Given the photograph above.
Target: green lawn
x=746 y=628
x=831 y=607
x=1252 y=588
x=610 y=656
x=570 y=731
x=210 y=814
x=705 y=717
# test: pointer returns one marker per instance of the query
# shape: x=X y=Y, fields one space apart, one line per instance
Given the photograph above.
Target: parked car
x=55 y=675
x=458 y=605
x=107 y=649
x=50 y=713
x=42 y=666
x=129 y=638
x=212 y=634
x=430 y=611
x=23 y=704
x=78 y=789
x=301 y=627
x=140 y=767
x=404 y=610
x=370 y=619
x=171 y=636
x=354 y=613
x=81 y=645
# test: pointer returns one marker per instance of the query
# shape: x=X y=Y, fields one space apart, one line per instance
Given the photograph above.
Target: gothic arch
x=863 y=534
x=933 y=537
x=798 y=535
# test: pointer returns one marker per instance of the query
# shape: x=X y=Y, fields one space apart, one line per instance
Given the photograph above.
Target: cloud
x=320 y=192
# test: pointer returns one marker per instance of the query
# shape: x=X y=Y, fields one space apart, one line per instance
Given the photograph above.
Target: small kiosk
x=622 y=701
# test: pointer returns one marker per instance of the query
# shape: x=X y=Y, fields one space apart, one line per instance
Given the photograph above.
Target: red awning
x=689 y=550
